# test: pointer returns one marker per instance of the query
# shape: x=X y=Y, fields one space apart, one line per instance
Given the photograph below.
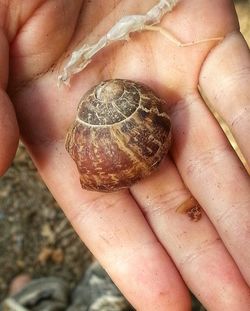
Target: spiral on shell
x=120 y=135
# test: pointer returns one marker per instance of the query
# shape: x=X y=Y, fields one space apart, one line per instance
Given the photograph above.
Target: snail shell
x=120 y=135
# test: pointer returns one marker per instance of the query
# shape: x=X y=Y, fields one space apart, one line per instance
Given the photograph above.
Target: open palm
x=151 y=252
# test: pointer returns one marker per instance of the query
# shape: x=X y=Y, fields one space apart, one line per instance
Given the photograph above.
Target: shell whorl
x=109 y=103
x=120 y=135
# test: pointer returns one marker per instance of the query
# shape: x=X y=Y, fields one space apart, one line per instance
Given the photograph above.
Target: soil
x=35 y=237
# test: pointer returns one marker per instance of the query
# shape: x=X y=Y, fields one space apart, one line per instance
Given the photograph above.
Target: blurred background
x=36 y=240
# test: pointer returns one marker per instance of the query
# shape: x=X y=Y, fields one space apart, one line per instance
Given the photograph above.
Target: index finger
x=225 y=80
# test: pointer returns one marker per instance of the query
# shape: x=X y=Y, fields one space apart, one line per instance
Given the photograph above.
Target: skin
x=152 y=253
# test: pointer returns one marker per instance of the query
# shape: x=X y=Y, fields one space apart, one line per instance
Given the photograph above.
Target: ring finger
x=196 y=248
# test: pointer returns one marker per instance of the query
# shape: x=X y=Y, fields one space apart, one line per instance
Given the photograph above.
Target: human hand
x=147 y=248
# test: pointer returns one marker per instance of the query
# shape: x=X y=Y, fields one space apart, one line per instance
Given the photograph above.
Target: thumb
x=9 y=133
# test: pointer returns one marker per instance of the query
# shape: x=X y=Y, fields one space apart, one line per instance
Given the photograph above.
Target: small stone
x=44 y=255
x=57 y=256
x=18 y=283
x=97 y=292
x=44 y=294
x=48 y=233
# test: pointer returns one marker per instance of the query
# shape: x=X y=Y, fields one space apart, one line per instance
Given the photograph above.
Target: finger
x=225 y=80
x=9 y=134
x=47 y=28
x=214 y=174
x=114 y=229
x=4 y=60
x=195 y=247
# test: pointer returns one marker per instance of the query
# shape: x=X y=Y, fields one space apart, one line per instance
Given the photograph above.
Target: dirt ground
x=35 y=237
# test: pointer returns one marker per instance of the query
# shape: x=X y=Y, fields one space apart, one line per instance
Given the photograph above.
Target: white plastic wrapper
x=120 y=31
